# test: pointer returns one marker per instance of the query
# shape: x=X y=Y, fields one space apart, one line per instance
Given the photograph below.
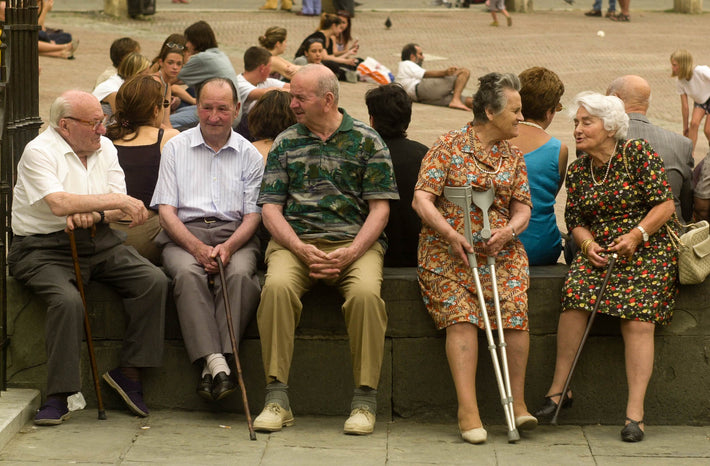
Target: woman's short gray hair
x=491 y=95
x=59 y=109
x=607 y=107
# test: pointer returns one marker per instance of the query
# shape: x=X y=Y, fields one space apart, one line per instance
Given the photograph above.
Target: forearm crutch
x=233 y=339
x=87 y=325
x=463 y=197
x=590 y=321
x=484 y=200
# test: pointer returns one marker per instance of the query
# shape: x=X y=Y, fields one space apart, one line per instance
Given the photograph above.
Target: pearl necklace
x=591 y=169
x=530 y=123
x=500 y=164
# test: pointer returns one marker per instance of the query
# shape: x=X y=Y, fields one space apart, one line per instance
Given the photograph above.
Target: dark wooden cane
x=609 y=267
x=87 y=325
x=232 y=337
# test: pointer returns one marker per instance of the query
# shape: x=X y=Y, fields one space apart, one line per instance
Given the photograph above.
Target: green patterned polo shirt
x=324 y=186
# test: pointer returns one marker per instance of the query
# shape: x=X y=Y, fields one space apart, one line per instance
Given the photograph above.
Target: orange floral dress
x=447 y=284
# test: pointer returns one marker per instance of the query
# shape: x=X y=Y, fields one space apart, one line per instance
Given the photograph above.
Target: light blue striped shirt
x=200 y=182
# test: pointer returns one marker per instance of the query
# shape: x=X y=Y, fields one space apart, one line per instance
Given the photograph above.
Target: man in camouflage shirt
x=325 y=200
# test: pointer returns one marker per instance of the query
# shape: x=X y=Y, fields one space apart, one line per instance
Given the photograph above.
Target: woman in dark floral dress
x=478 y=155
x=618 y=201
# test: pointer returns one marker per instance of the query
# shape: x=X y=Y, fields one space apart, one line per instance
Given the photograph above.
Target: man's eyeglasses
x=95 y=124
x=173 y=45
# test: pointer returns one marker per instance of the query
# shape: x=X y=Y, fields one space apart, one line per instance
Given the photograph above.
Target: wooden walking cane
x=87 y=325
x=232 y=337
x=609 y=268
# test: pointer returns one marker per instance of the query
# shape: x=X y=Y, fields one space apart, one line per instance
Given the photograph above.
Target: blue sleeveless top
x=542 y=239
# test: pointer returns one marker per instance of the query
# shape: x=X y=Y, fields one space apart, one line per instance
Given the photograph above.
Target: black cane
x=609 y=267
x=240 y=379
x=87 y=325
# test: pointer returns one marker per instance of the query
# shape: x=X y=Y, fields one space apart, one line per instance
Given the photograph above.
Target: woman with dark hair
x=203 y=60
x=137 y=135
x=167 y=66
x=343 y=66
x=342 y=40
x=546 y=159
x=478 y=155
x=274 y=40
x=270 y=115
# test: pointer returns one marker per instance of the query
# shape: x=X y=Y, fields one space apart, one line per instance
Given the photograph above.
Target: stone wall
x=415 y=376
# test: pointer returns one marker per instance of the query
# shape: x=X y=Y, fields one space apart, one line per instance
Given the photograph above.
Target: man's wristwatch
x=102 y=216
x=643 y=233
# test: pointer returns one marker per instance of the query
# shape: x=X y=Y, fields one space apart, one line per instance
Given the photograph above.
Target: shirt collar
x=196 y=139
x=66 y=149
x=346 y=124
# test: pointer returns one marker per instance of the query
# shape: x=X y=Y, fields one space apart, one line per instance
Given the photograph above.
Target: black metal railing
x=19 y=124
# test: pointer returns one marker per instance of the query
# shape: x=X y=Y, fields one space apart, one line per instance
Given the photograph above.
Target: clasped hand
x=324 y=265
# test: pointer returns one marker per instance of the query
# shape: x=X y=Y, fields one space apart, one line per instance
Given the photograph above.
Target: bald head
x=70 y=102
x=320 y=80
x=633 y=90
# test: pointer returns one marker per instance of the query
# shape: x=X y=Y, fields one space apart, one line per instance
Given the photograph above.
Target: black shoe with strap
x=632 y=432
x=548 y=407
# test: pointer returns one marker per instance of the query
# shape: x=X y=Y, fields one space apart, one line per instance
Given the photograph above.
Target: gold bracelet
x=585 y=245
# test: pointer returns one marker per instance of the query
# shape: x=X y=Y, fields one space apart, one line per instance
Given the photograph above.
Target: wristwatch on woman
x=644 y=234
x=515 y=236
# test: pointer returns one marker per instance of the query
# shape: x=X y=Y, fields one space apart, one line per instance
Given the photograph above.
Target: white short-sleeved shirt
x=698 y=87
x=110 y=85
x=49 y=165
x=244 y=88
x=200 y=182
x=409 y=75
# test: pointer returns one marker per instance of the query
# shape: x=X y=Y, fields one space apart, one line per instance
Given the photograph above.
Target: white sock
x=216 y=364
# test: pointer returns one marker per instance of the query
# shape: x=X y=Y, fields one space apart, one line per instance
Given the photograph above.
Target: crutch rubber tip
x=252 y=436
x=513 y=436
x=102 y=415
x=553 y=421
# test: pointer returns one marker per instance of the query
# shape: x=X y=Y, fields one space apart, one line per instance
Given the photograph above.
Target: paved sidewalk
x=199 y=438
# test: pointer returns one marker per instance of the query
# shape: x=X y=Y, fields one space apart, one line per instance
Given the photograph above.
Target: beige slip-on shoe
x=360 y=422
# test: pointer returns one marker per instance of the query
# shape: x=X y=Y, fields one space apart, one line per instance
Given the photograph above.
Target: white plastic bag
x=374 y=71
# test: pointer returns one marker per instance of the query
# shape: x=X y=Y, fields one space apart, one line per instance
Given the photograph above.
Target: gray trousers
x=44 y=264
x=200 y=308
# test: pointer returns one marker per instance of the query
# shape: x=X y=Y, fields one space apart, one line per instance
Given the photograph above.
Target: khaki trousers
x=364 y=310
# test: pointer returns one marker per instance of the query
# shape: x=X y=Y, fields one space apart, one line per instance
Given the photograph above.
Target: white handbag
x=693 y=253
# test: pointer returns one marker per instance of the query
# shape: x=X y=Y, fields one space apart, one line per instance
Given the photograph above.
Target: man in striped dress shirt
x=206 y=195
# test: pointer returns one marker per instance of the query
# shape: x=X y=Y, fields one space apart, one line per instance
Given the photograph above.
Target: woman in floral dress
x=478 y=155
x=618 y=201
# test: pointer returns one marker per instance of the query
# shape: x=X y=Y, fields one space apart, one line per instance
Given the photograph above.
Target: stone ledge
x=415 y=376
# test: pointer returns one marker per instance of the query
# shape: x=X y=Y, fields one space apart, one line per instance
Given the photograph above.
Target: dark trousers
x=44 y=264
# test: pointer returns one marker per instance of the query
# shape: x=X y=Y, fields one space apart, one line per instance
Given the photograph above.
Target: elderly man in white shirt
x=206 y=195
x=433 y=87
x=69 y=178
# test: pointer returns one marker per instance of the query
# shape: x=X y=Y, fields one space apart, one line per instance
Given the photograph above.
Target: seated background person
x=253 y=83
x=546 y=160
x=203 y=60
x=390 y=110
x=440 y=87
x=139 y=140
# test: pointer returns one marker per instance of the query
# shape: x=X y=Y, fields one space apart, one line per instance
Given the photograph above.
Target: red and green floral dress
x=447 y=284
x=643 y=287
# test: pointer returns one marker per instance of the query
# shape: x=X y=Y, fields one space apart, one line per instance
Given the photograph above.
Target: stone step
x=415 y=378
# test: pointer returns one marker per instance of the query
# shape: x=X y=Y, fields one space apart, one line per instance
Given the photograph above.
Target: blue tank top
x=542 y=239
